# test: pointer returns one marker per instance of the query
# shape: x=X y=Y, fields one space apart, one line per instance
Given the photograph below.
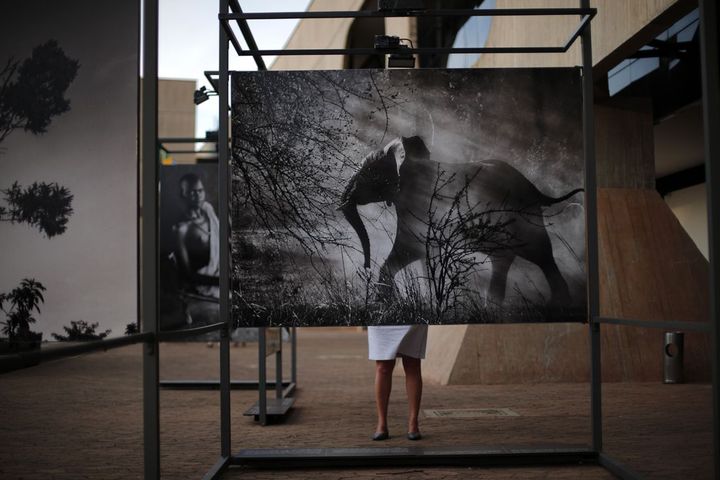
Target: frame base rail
x=412 y=456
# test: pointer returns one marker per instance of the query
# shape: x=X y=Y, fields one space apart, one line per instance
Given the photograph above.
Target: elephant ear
x=414 y=149
x=396 y=151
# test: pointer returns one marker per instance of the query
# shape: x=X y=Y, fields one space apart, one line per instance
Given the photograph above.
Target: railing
x=15 y=361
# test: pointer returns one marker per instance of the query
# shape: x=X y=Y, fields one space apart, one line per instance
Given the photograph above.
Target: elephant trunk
x=353 y=217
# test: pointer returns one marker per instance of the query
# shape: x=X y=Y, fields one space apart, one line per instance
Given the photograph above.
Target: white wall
x=690 y=207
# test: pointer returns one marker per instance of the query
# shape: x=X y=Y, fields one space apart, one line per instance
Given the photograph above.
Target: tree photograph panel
x=68 y=172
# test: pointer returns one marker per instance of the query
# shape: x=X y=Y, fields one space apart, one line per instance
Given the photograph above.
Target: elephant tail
x=547 y=201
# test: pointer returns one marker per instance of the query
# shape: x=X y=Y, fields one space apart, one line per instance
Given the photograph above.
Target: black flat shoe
x=378 y=436
x=414 y=436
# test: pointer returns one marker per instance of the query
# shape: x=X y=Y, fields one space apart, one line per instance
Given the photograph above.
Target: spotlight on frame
x=401 y=5
x=401 y=60
x=202 y=95
x=400 y=56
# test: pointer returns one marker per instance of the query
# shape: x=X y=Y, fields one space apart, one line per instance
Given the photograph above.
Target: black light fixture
x=386 y=42
x=400 y=56
x=399 y=6
x=202 y=95
x=401 y=60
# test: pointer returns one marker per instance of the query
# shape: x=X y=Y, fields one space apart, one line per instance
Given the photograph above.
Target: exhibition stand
x=467 y=456
x=243 y=455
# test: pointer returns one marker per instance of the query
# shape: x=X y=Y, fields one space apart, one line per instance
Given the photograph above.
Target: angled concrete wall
x=319 y=33
x=650 y=269
x=620 y=28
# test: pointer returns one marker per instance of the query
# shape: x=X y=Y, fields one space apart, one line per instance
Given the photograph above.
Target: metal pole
x=149 y=241
x=709 y=18
x=593 y=278
x=293 y=355
x=223 y=210
x=262 y=376
x=279 y=370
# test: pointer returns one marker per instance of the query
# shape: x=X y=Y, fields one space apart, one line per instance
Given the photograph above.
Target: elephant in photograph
x=403 y=174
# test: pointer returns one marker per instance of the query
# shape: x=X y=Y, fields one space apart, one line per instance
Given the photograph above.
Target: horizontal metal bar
x=616 y=468
x=496 y=12
x=186 y=152
x=688 y=177
x=19 y=360
x=216 y=471
x=419 y=51
x=189 y=332
x=410 y=456
x=667 y=325
x=185 y=140
x=215 y=384
x=289 y=387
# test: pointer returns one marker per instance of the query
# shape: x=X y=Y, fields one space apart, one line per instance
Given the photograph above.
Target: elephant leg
x=558 y=285
x=498 y=281
x=542 y=256
x=396 y=261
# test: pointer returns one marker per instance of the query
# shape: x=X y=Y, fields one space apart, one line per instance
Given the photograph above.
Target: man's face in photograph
x=192 y=192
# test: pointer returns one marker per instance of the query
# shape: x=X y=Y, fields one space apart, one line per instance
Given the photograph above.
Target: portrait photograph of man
x=189 y=246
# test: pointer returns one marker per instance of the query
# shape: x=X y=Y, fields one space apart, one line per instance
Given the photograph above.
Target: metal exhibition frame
x=473 y=456
x=349 y=457
x=345 y=457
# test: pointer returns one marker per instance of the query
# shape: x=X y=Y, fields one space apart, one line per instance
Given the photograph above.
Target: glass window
x=633 y=69
x=473 y=34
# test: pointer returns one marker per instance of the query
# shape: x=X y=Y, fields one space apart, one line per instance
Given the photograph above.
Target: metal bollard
x=673 y=357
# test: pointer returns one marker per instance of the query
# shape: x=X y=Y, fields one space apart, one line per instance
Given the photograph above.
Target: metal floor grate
x=469 y=413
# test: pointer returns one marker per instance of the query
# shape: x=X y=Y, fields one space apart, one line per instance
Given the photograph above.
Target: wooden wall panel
x=650 y=269
x=625 y=147
x=619 y=29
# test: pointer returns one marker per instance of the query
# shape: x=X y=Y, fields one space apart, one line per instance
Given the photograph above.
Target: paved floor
x=82 y=418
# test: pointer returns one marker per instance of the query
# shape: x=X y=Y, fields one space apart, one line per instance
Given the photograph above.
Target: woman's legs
x=413 y=386
x=383 y=385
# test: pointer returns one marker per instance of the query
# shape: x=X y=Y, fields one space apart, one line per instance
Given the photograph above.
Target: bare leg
x=413 y=387
x=383 y=386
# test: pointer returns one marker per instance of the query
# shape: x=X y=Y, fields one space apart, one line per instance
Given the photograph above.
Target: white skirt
x=389 y=342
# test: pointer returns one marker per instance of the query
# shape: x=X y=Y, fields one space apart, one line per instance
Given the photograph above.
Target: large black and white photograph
x=386 y=197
